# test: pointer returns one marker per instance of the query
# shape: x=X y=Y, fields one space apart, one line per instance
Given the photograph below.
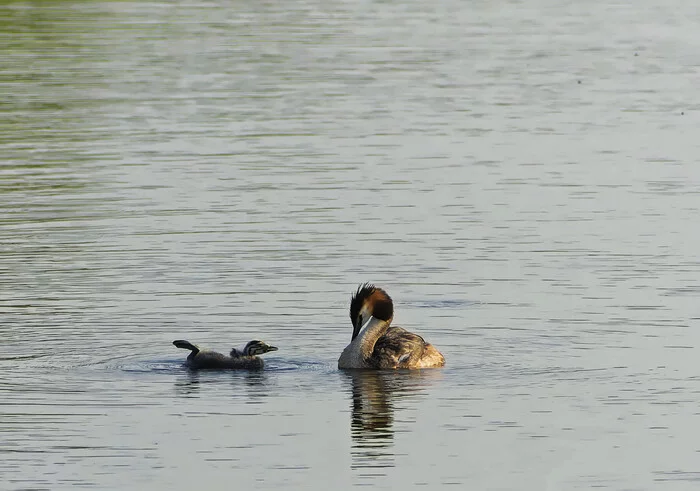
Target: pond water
x=522 y=178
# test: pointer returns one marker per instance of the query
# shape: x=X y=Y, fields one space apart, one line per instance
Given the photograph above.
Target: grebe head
x=253 y=348
x=369 y=301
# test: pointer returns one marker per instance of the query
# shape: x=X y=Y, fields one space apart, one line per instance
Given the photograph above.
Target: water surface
x=521 y=177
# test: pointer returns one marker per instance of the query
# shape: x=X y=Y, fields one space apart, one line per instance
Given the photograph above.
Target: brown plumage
x=376 y=343
x=398 y=348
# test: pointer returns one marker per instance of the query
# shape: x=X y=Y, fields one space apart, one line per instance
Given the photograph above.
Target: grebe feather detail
x=376 y=344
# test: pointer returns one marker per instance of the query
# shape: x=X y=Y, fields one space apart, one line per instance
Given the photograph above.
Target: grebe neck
x=361 y=348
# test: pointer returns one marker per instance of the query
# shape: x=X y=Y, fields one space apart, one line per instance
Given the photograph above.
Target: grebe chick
x=244 y=357
x=376 y=343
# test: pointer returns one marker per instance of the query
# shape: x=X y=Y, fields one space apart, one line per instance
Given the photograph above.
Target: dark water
x=521 y=177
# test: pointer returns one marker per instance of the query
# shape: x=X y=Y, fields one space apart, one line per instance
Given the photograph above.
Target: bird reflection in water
x=256 y=383
x=376 y=395
x=188 y=384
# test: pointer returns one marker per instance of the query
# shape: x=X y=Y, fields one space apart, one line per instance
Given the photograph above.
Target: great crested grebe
x=244 y=357
x=376 y=343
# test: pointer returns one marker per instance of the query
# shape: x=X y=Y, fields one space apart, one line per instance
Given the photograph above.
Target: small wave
x=444 y=303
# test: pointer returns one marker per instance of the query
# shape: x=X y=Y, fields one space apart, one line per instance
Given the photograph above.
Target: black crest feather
x=382 y=305
x=358 y=299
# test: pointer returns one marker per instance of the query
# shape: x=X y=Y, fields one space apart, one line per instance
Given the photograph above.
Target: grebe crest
x=369 y=301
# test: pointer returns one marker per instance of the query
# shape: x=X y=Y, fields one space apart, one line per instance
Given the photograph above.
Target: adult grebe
x=376 y=343
x=244 y=357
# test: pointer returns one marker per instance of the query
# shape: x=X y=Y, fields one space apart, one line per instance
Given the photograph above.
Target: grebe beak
x=357 y=327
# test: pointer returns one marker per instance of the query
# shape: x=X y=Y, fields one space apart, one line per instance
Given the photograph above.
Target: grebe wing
x=398 y=348
x=214 y=360
x=209 y=359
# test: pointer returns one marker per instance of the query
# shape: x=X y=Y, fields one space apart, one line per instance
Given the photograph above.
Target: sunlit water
x=522 y=177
